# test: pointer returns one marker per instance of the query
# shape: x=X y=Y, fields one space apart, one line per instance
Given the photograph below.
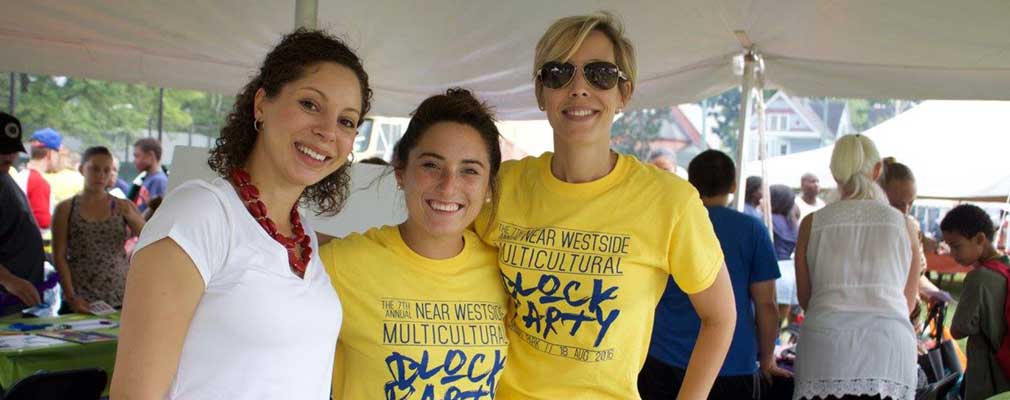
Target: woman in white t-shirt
x=226 y=297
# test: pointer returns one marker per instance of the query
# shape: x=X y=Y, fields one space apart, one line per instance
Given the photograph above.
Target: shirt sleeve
x=764 y=264
x=39 y=196
x=327 y=254
x=157 y=187
x=695 y=255
x=195 y=217
x=967 y=317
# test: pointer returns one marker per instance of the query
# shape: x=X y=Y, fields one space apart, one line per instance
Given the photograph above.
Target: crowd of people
x=580 y=273
x=74 y=213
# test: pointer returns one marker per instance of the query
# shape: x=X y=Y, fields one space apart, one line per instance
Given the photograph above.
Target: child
x=980 y=314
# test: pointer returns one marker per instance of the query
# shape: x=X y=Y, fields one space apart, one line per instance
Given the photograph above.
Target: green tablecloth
x=16 y=364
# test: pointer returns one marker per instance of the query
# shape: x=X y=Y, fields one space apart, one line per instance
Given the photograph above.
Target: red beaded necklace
x=251 y=198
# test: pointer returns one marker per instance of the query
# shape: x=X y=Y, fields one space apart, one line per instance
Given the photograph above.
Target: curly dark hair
x=288 y=62
x=968 y=220
x=460 y=106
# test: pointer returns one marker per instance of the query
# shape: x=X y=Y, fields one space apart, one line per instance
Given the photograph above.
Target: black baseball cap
x=10 y=134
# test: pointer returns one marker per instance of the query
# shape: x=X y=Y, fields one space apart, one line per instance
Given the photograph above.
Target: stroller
x=941 y=365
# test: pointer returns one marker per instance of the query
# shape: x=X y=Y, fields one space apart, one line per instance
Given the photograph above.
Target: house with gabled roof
x=796 y=124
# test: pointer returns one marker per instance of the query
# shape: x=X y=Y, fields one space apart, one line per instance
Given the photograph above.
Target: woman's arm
x=132 y=215
x=162 y=292
x=803 y=289
x=717 y=310
x=912 y=281
x=61 y=227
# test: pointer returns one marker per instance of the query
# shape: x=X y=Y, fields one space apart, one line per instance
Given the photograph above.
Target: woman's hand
x=79 y=305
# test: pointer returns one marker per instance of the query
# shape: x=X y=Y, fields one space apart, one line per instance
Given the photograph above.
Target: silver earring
x=257 y=125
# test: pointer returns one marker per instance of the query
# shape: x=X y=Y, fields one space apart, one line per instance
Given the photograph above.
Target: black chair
x=939 y=390
x=77 y=384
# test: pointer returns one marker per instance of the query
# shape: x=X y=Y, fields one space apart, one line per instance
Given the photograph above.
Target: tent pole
x=741 y=152
x=11 y=100
x=161 y=111
x=306 y=13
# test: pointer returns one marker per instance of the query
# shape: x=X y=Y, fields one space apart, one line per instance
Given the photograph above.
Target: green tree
x=725 y=110
x=635 y=129
x=111 y=113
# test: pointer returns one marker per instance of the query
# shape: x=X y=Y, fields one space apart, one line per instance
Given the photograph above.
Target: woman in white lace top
x=857 y=272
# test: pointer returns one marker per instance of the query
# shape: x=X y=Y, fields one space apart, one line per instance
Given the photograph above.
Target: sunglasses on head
x=602 y=75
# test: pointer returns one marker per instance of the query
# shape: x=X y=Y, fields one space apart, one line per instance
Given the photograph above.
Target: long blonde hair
x=852 y=164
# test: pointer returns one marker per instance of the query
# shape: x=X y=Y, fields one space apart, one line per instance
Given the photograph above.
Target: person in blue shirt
x=153 y=180
x=753 y=269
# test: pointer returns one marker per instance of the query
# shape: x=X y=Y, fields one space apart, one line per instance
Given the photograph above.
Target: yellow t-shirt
x=416 y=328
x=585 y=265
x=64 y=184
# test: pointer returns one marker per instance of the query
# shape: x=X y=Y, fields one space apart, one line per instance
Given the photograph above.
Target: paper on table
x=26 y=341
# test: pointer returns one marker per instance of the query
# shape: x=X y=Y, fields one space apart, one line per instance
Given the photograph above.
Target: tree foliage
x=635 y=129
x=109 y=113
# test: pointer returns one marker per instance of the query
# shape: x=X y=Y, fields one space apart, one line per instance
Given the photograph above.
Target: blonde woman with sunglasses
x=588 y=239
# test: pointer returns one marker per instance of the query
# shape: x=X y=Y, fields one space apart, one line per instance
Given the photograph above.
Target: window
x=388 y=137
x=777 y=122
x=364 y=136
x=784 y=149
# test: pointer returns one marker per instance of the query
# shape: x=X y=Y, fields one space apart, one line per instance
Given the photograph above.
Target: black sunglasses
x=602 y=75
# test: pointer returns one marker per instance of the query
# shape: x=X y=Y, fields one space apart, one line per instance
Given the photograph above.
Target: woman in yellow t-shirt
x=588 y=239
x=423 y=302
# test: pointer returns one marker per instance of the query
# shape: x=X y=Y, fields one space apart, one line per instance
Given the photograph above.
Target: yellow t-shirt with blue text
x=414 y=327
x=585 y=265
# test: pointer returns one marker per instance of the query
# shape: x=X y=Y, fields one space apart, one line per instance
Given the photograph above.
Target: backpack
x=1001 y=267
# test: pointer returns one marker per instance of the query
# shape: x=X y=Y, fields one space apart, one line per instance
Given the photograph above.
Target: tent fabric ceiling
x=858 y=48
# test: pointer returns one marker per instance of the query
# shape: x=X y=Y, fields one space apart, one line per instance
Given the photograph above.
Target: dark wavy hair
x=287 y=62
x=460 y=106
x=783 y=199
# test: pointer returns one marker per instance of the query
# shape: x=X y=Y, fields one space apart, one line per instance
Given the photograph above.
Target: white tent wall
x=860 y=48
x=956 y=149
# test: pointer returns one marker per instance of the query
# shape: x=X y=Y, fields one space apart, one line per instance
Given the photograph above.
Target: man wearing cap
x=21 y=254
x=64 y=179
x=45 y=145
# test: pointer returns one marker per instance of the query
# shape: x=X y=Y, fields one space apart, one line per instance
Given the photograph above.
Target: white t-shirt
x=806 y=209
x=259 y=332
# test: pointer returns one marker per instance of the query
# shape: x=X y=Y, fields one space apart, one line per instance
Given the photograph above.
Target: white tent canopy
x=859 y=48
x=956 y=149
